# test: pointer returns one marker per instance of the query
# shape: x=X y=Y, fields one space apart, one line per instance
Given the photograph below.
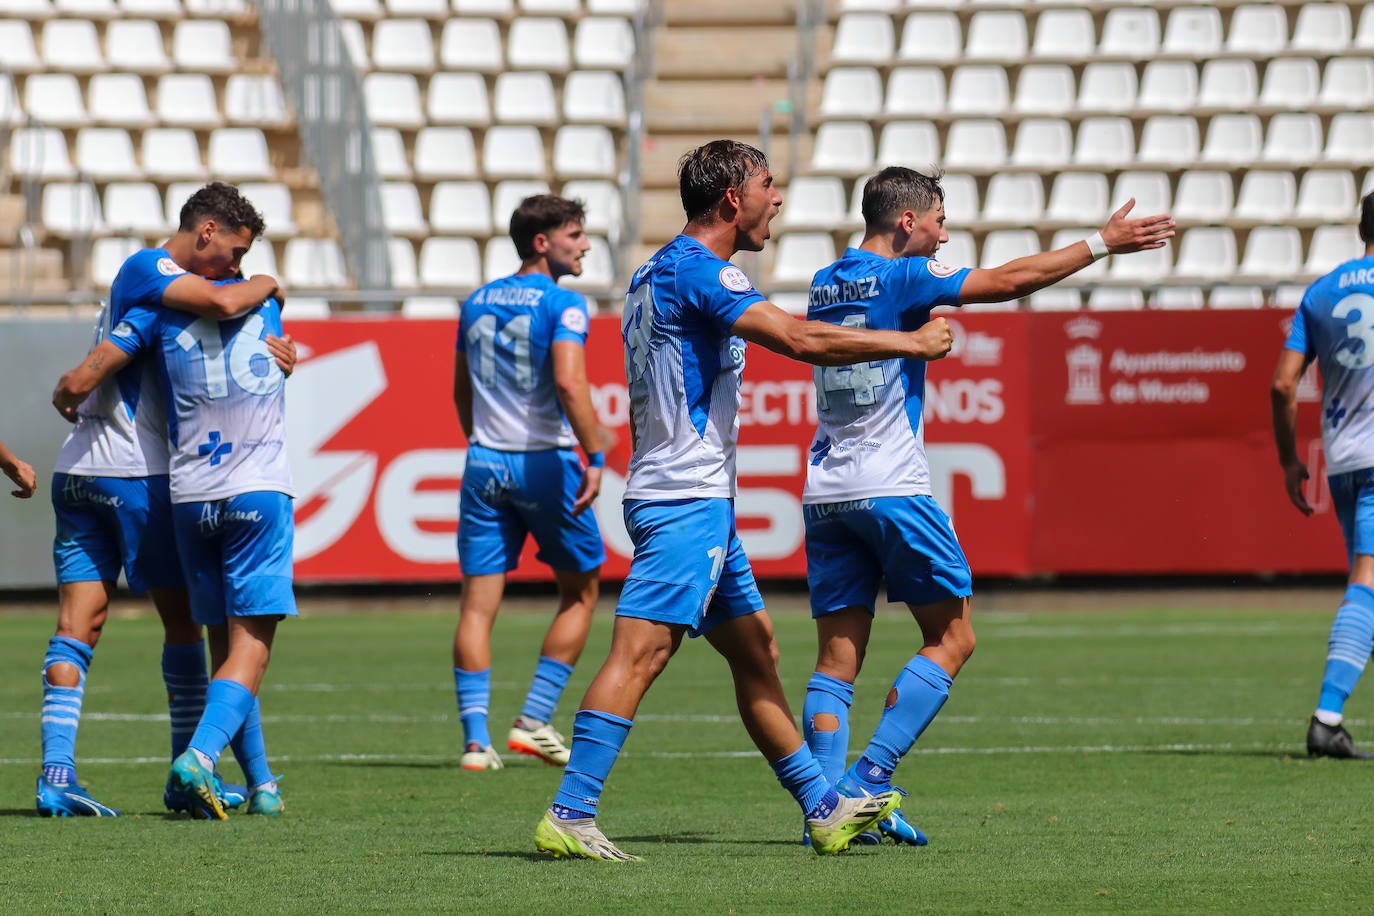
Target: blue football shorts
x=851 y=546
x=1352 y=494
x=689 y=566
x=508 y=495
x=105 y=523
x=236 y=553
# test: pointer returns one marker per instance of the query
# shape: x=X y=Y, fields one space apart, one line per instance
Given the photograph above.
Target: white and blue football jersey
x=1334 y=324
x=121 y=428
x=870 y=435
x=225 y=395
x=507 y=329
x=683 y=366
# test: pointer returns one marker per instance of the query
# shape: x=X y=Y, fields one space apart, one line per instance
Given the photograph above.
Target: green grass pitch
x=1137 y=758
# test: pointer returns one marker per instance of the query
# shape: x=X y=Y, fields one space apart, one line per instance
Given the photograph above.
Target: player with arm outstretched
x=867 y=503
x=1334 y=325
x=520 y=388
x=110 y=493
x=688 y=315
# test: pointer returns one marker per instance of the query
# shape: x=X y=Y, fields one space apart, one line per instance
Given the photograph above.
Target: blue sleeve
x=142 y=280
x=1297 y=335
x=927 y=283
x=718 y=289
x=465 y=313
x=570 y=321
x=136 y=330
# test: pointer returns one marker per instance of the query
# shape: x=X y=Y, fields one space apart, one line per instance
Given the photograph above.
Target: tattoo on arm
x=97 y=362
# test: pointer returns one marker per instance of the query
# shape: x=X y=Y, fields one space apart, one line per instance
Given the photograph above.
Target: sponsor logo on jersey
x=731 y=277
x=123 y=329
x=168 y=268
x=941 y=270
x=574 y=319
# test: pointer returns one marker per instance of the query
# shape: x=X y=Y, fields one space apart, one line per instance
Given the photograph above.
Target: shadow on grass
x=493 y=854
x=1263 y=753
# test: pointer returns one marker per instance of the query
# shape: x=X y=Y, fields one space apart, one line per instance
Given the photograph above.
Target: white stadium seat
x=1258 y=30
x=1056 y=299
x=1066 y=34
x=393 y=100
x=1350 y=139
x=1207 y=252
x=1192 y=31
x=255 y=99
x=1236 y=297
x=151 y=9
x=604 y=43
x=135 y=207
x=961 y=198
x=1321 y=28
x=592 y=96
x=1168 y=85
x=959 y=251
x=843 y=148
x=584 y=151
x=169 y=153
x=602 y=200
x=71 y=45
x=55 y=98
x=1332 y=245
x=929 y=37
x=1364 y=32
x=1108 y=142
x=456 y=98
x=513 y=152
x=1232 y=139
x=522 y=97
x=450 y=262
x=864 y=38
x=1044 y=89
x=87 y=9
x=18 y=53
x=975 y=143
x=471 y=44
x=404 y=45
x=1079 y=197
x=239 y=154
x=912 y=143
x=354 y=44
x=1228 y=85
x=1149 y=266
x=460 y=208
x=445 y=152
x=1106 y=86
x=1014 y=198
x=800 y=255
x=507 y=196
x=1003 y=245
x=1266 y=196
x=1169 y=140
x=914 y=92
x=108 y=255
x=11 y=111
x=979 y=89
x=119 y=98
x=537 y=43
x=1290 y=83
x=852 y=92
x=1130 y=32
x=1151 y=190
x=314 y=263
x=1204 y=195
x=71 y=208
x=401 y=211
x=997 y=35
x=106 y=153
x=187 y=100
x=425 y=9
x=1273 y=252
x=389 y=153
x=40 y=152
x=136 y=45
x=499 y=259
x=1326 y=194
x=1116 y=299
x=203 y=45
x=1294 y=138
x=1348 y=83
x=273 y=200
x=1177 y=297
x=1042 y=143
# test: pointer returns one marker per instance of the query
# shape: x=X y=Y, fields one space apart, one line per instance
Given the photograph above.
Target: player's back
x=870 y=437
x=121 y=426
x=1335 y=321
x=226 y=418
x=507 y=330
x=683 y=366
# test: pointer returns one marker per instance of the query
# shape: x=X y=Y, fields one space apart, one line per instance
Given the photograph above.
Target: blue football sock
x=550 y=677
x=597 y=740
x=826 y=695
x=250 y=749
x=186 y=678
x=474 y=695
x=62 y=705
x=800 y=773
x=1352 y=640
x=921 y=688
x=227 y=704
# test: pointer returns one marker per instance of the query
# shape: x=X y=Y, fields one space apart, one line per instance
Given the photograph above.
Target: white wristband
x=1097 y=246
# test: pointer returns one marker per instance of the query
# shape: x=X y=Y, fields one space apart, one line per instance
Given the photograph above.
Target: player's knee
x=62 y=674
x=825 y=722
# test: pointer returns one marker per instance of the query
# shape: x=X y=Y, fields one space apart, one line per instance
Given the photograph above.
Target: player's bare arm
x=18 y=471
x=204 y=299
x=1283 y=405
x=574 y=393
x=102 y=362
x=1024 y=276
x=462 y=393
x=823 y=344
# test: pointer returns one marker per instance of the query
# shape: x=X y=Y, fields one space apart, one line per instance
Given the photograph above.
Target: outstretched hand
x=1124 y=235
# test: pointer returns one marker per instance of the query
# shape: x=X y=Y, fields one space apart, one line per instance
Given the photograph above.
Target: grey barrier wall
x=33 y=355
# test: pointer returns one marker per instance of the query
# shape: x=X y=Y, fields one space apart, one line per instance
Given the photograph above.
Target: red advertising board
x=378 y=455
x=1060 y=443
x=1153 y=451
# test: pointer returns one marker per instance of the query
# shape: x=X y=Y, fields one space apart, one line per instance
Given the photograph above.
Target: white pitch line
x=729 y=755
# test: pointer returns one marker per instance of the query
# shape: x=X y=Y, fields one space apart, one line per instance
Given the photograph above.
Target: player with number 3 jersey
x=1334 y=326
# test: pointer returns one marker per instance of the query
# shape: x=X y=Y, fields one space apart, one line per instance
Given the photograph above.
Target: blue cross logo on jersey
x=1335 y=413
x=215 y=448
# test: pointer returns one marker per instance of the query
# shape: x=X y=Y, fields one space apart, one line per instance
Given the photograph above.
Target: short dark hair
x=1367 y=219
x=895 y=190
x=542 y=213
x=707 y=172
x=225 y=205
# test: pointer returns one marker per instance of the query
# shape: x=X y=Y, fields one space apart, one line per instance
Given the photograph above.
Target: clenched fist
x=934 y=339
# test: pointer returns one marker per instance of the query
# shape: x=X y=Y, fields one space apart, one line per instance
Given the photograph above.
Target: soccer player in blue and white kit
x=688 y=314
x=1334 y=325
x=520 y=387
x=867 y=503
x=110 y=493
